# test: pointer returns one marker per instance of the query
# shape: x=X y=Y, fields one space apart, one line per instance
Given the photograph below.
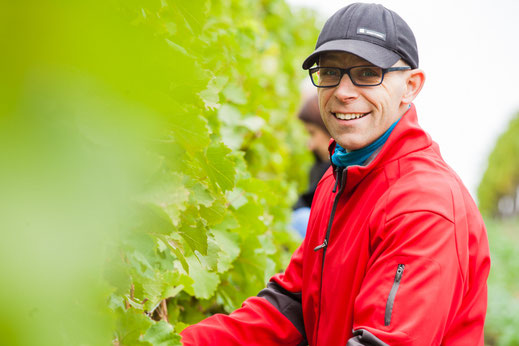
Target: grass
x=502 y=323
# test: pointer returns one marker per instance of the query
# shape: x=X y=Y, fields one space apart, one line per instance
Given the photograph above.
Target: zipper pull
x=399 y=272
x=322 y=246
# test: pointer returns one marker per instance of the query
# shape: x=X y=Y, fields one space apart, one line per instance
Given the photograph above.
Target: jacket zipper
x=332 y=214
x=324 y=245
x=392 y=294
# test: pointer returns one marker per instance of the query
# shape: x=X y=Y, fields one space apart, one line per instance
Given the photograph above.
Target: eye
x=368 y=72
x=366 y=75
x=329 y=72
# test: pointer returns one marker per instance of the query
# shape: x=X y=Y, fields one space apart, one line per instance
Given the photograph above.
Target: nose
x=346 y=90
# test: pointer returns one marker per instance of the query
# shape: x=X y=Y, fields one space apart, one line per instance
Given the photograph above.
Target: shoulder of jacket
x=419 y=184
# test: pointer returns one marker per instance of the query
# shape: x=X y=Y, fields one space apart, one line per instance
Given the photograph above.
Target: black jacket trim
x=362 y=337
x=288 y=303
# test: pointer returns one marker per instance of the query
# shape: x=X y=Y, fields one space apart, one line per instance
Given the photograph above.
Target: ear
x=415 y=81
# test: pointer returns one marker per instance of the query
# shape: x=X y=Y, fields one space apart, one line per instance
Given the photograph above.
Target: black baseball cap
x=370 y=31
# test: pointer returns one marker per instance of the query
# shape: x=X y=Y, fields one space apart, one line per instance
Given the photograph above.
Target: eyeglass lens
x=361 y=75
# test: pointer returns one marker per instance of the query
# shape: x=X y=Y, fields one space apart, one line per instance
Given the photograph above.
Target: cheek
x=375 y=99
x=323 y=96
x=394 y=92
x=382 y=100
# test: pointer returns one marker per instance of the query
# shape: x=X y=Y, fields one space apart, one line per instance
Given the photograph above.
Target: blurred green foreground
x=147 y=158
x=149 y=161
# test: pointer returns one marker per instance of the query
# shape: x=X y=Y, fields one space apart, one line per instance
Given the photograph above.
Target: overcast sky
x=469 y=51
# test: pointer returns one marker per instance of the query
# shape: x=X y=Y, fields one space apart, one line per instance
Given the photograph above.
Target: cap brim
x=375 y=54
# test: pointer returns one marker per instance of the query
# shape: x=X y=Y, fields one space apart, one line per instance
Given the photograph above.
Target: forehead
x=341 y=59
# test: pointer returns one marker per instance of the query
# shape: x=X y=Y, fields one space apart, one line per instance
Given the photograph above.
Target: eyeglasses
x=329 y=77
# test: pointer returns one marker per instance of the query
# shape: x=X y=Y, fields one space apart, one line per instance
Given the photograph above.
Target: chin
x=348 y=145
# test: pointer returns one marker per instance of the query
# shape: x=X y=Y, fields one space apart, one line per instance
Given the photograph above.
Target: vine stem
x=163 y=310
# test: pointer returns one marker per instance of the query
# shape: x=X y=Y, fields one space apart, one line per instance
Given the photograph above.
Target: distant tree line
x=498 y=192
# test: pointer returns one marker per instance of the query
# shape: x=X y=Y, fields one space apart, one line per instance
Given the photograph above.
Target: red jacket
x=396 y=253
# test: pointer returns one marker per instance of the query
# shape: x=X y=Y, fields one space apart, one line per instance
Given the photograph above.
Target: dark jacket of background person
x=316 y=173
x=310 y=116
x=407 y=252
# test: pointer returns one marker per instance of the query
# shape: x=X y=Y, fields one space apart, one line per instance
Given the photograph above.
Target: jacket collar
x=406 y=138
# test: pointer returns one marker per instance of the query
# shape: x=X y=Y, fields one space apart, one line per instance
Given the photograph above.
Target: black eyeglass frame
x=347 y=71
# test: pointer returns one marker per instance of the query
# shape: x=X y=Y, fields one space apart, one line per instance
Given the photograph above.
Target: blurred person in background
x=317 y=143
x=396 y=251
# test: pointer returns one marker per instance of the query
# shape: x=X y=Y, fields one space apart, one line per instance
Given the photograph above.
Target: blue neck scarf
x=342 y=158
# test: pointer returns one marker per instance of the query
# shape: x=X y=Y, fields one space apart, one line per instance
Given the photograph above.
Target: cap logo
x=364 y=31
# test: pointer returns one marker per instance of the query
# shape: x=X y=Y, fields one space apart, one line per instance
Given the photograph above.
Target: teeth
x=348 y=116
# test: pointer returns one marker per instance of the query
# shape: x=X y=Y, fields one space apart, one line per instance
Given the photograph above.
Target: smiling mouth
x=349 y=116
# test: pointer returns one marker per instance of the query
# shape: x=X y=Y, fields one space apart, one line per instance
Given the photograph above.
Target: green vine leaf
x=189 y=130
x=204 y=281
x=210 y=95
x=234 y=93
x=219 y=168
x=195 y=237
x=161 y=334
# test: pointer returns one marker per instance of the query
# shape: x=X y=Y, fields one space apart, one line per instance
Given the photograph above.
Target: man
x=396 y=251
x=317 y=143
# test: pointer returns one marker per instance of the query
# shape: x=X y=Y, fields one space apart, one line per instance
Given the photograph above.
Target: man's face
x=378 y=106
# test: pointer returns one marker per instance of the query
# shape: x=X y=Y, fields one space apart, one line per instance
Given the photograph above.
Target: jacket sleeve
x=274 y=317
x=414 y=283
